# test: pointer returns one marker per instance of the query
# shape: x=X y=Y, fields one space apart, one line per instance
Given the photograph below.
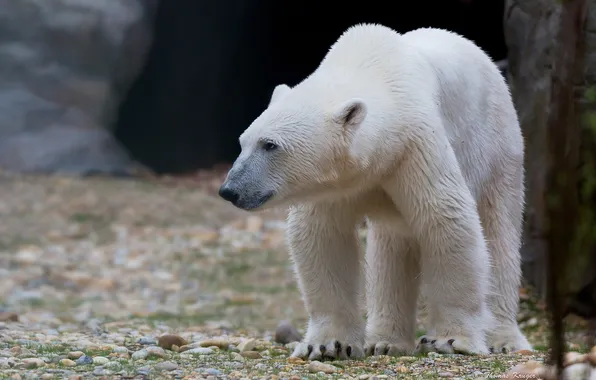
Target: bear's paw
x=506 y=342
x=388 y=348
x=451 y=345
x=332 y=350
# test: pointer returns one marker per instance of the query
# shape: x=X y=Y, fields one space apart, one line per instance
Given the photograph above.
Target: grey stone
x=140 y=355
x=147 y=340
x=286 y=333
x=84 y=360
x=166 y=366
x=197 y=351
x=65 y=66
x=213 y=371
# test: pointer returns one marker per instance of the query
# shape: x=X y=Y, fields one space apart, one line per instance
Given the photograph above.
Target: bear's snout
x=229 y=194
x=248 y=199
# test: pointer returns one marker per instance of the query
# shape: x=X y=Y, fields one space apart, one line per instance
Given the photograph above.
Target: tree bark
x=564 y=131
x=530 y=29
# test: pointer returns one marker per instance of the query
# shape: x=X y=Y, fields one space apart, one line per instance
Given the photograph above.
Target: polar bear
x=415 y=133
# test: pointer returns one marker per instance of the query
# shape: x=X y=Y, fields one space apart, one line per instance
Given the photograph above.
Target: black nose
x=228 y=194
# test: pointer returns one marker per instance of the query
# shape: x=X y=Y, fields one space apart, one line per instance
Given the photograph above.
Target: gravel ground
x=106 y=278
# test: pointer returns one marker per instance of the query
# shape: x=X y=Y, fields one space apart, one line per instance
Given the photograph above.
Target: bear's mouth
x=254 y=202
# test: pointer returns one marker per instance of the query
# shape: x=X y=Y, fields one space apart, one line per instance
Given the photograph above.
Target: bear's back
x=431 y=71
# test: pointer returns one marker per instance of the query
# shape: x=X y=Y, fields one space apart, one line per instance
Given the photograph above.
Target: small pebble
x=197 y=351
x=293 y=360
x=75 y=354
x=261 y=366
x=84 y=360
x=166 y=366
x=592 y=357
x=573 y=358
x=316 y=366
x=167 y=341
x=237 y=357
x=247 y=345
x=120 y=350
x=112 y=366
x=286 y=333
x=8 y=316
x=67 y=363
x=213 y=372
x=147 y=341
x=100 y=360
x=156 y=351
x=31 y=363
x=139 y=355
x=577 y=371
x=6 y=364
x=251 y=354
x=100 y=371
x=144 y=371
x=220 y=343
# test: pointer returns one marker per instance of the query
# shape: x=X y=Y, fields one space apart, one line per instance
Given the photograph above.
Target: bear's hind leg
x=501 y=212
x=324 y=248
x=431 y=194
x=391 y=291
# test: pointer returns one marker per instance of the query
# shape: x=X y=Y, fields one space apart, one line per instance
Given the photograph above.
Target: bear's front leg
x=438 y=206
x=324 y=248
x=393 y=272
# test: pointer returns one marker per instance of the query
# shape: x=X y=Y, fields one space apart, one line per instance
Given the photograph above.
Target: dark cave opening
x=212 y=68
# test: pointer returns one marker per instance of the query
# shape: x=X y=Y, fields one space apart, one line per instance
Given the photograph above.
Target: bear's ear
x=279 y=92
x=350 y=113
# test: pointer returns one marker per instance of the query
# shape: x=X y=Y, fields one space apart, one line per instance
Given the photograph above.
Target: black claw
x=322 y=348
x=504 y=350
x=450 y=341
x=423 y=340
x=386 y=350
x=433 y=341
x=337 y=348
x=349 y=351
x=309 y=349
x=491 y=350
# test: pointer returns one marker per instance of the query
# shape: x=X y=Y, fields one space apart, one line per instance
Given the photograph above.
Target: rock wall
x=65 y=66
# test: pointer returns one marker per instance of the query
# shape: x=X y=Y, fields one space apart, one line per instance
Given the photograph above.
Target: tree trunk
x=564 y=130
x=531 y=32
x=530 y=29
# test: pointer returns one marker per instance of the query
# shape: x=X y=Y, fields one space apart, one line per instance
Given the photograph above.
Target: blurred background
x=118 y=119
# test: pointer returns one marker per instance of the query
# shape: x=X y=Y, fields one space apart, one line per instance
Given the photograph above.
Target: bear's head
x=296 y=150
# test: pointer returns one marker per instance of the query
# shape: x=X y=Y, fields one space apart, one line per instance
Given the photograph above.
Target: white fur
x=416 y=133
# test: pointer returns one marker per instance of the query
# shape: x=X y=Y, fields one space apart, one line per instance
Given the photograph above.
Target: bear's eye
x=269 y=146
